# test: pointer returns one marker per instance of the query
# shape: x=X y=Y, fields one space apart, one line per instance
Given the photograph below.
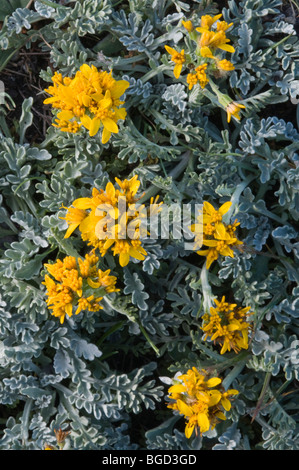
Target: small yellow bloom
x=223 y=26
x=225 y=65
x=200 y=399
x=74 y=217
x=90 y=99
x=178 y=58
x=210 y=41
x=67 y=282
x=217 y=236
x=227 y=325
x=188 y=25
x=199 y=76
x=104 y=226
x=207 y=21
x=233 y=109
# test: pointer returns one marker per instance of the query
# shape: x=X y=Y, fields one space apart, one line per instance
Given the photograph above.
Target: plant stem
x=153 y=190
x=25 y=421
x=234 y=373
x=149 y=339
x=206 y=289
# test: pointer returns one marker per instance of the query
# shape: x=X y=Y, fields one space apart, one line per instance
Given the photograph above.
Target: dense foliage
x=103 y=374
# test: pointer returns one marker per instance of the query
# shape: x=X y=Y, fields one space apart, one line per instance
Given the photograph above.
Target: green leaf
x=7 y=7
x=26 y=118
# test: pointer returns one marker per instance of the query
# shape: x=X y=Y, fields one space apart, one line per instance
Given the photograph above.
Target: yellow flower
x=90 y=99
x=200 y=399
x=198 y=77
x=188 y=25
x=219 y=245
x=223 y=26
x=104 y=226
x=206 y=22
x=103 y=280
x=217 y=235
x=211 y=216
x=225 y=65
x=227 y=325
x=178 y=58
x=210 y=41
x=71 y=278
x=74 y=217
x=233 y=109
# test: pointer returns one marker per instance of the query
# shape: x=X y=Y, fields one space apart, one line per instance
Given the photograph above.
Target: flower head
x=233 y=109
x=201 y=399
x=225 y=65
x=227 y=324
x=199 y=76
x=218 y=236
x=90 y=99
x=178 y=58
x=76 y=283
x=209 y=41
x=112 y=220
x=207 y=21
x=188 y=25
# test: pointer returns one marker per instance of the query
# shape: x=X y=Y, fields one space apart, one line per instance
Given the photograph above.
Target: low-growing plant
x=149 y=294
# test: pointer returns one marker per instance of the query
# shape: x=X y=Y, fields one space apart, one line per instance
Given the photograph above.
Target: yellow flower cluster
x=218 y=236
x=104 y=226
x=227 y=325
x=205 y=62
x=201 y=399
x=208 y=41
x=211 y=40
x=76 y=283
x=90 y=99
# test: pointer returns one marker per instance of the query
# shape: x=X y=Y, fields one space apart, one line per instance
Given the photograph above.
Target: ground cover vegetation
x=117 y=334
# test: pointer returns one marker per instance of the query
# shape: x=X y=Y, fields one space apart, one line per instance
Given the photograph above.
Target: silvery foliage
x=96 y=373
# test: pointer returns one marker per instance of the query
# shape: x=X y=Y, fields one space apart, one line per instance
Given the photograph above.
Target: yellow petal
x=94 y=126
x=200 y=29
x=178 y=388
x=205 y=51
x=86 y=70
x=226 y=404
x=70 y=230
x=69 y=309
x=119 y=88
x=83 y=203
x=136 y=254
x=214 y=398
x=105 y=136
x=110 y=190
x=221 y=415
x=93 y=284
x=213 y=382
x=203 y=422
x=226 y=47
x=86 y=100
x=108 y=244
x=124 y=259
x=120 y=113
x=65 y=115
x=184 y=409
x=225 y=207
x=85 y=120
x=170 y=50
x=177 y=70
x=110 y=125
x=106 y=103
x=189 y=430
